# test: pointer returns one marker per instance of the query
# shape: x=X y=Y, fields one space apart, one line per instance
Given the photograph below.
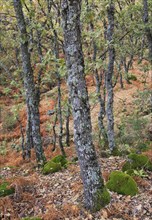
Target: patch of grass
x=5 y=190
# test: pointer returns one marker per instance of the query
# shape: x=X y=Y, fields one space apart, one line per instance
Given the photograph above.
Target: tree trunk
x=101 y=114
x=29 y=85
x=111 y=54
x=56 y=53
x=67 y=123
x=90 y=170
x=29 y=138
x=148 y=31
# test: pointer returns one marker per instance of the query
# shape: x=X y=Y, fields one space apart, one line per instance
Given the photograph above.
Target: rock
x=122 y=183
x=51 y=167
x=55 y=164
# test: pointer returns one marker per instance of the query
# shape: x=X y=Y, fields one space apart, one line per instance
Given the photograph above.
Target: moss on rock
x=60 y=159
x=136 y=162
x=122 y=183
x=55 y=164
x=5 y=190
x=51 y=167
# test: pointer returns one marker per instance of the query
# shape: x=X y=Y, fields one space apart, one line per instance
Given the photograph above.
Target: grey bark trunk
x=101 y=115
x=29 y=137
x=56 y=53
x=111 y=54
x=54 y=131
x=148 y=31
x=67 y=123
x=90 y=170
x=29 y=85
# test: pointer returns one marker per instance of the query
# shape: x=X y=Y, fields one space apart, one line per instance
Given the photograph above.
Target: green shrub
x=9 y=121
x=132 y=132
x=137 y=162
x=122 y=183
x=3 y=148
x=60 y=159
x=132 y=77
x=5 y=190
x=142 y=102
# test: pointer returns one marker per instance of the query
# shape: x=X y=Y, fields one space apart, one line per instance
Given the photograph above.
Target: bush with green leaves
x=132 y=133
x=142 y=102
x=137 y=162
x=9 y=121
x=3 y=148
x=132 y=77
x=5 y=190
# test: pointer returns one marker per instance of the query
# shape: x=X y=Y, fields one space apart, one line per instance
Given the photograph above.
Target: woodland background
x=116 y=39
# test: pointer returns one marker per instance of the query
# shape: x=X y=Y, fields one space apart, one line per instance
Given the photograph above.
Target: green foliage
x=122 y=183
x=5 y=190
x=137 y=162
x=142 y=102
x=132 y=77
x=133 y=172
x=132 y=133
x=116 y=152
x=7 y=91
x=60 y=159
x=9 y=121
x=3 y=148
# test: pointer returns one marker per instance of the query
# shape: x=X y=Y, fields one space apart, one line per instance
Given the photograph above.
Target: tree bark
x=90 y=170
x=60 y=118
x=29 y=84
x=68 y=113
x=148 y=31
x=111 y=54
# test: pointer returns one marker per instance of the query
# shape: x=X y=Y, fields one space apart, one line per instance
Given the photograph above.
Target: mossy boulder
x=51 y=167
x=137 y=162
x=122 y=183
x=55 y=164
x=60 y=159
x=5 y=190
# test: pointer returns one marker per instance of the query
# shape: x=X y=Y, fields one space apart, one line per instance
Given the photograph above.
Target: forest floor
x=60 y=195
